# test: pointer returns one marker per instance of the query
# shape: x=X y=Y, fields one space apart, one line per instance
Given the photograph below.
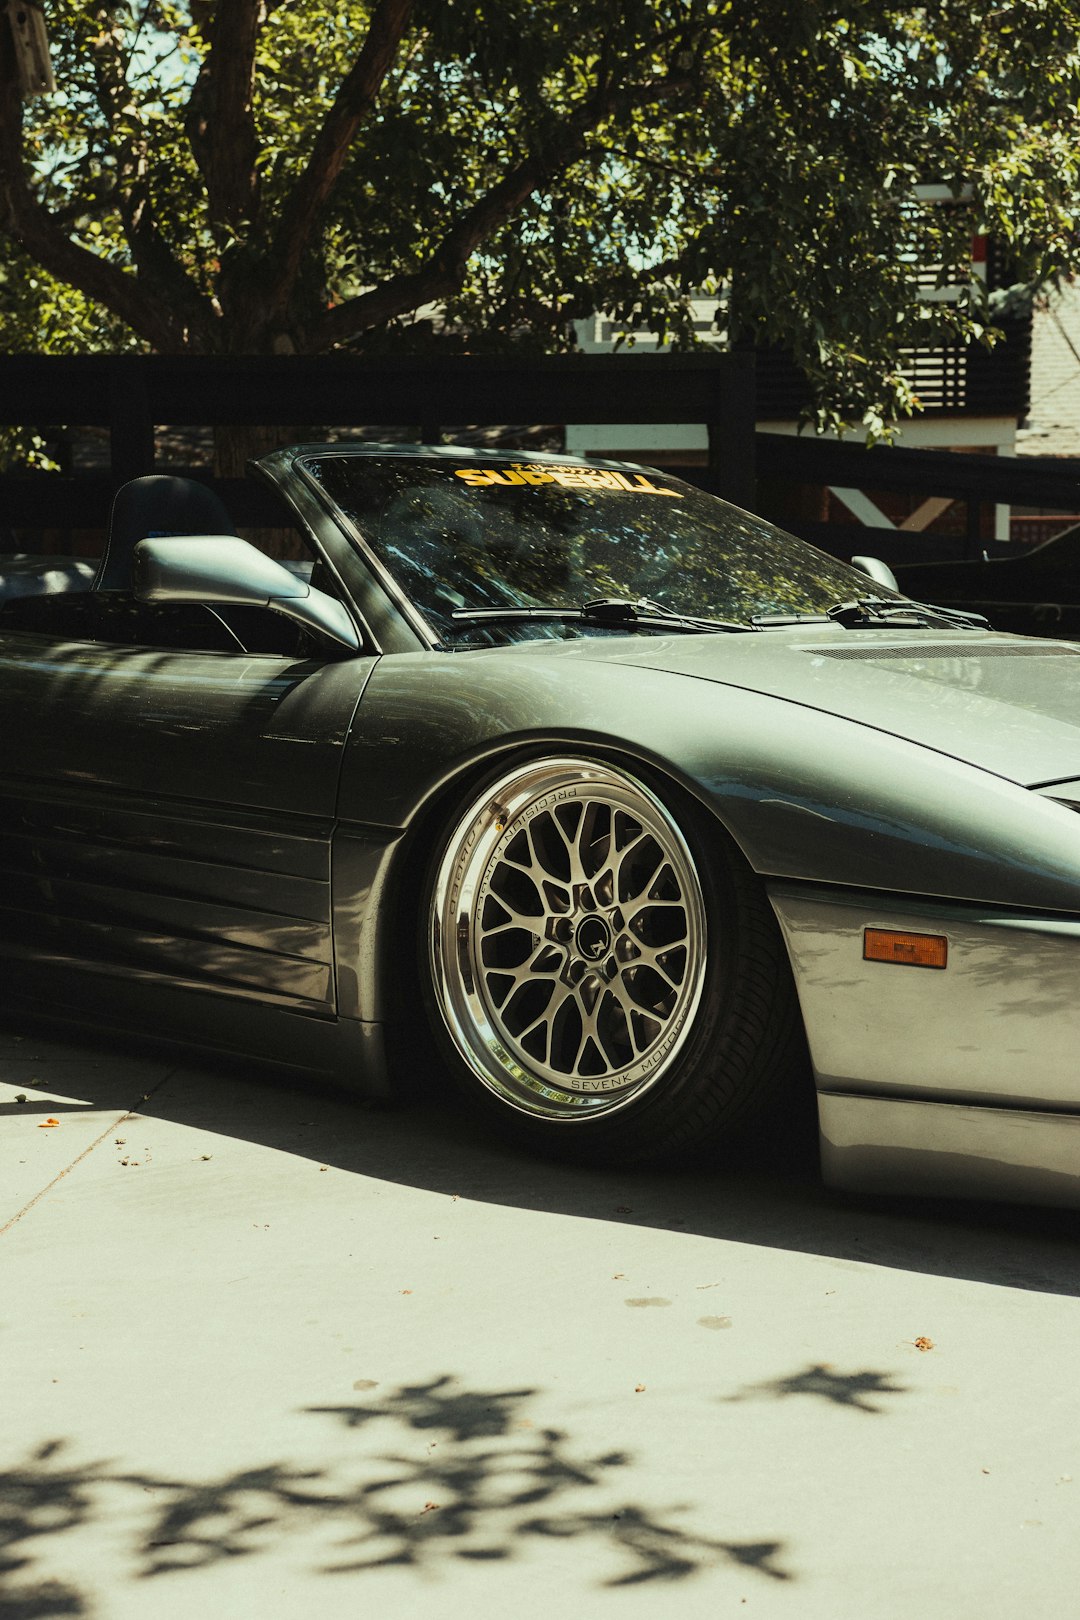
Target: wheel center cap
x=593 y=938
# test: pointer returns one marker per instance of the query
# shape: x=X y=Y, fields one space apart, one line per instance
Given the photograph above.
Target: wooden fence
x=1048 y=482
x=133 y=396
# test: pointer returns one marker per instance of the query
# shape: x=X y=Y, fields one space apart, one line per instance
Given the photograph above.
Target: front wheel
x=604 y=977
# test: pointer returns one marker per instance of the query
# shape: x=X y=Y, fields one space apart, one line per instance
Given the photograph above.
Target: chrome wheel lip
x=474 y=854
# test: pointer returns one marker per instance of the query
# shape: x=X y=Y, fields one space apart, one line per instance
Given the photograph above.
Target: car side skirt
x=890 y=1146
x=346 y=1052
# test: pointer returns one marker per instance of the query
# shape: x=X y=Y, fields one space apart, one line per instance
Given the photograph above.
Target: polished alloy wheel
x=567 y=939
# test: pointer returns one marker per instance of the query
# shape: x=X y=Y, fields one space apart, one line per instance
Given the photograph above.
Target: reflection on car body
x=618 y=792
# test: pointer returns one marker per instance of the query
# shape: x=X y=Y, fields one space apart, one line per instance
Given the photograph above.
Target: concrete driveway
x=265 y=1354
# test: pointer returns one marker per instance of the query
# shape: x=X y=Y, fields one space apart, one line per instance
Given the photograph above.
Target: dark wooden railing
x=1051 y=482
x=132 y=396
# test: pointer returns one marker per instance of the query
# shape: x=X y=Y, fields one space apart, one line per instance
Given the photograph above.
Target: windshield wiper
x=886 y=613
x=784 y=621
x=613 y=612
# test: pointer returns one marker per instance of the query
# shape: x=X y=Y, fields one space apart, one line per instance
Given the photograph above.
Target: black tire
x=589 y=1005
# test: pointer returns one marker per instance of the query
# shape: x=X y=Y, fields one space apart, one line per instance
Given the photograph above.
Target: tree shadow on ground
x=436 y=1146
x=445 y=1474
x=852 y=1390
x=40 y=1499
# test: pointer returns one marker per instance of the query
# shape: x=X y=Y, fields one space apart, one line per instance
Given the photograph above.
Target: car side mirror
x=220 y=569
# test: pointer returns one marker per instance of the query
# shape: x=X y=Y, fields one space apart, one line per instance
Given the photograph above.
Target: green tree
x=253 y=176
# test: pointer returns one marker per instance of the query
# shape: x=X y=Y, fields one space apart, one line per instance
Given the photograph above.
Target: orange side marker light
x=46 y=1123
x=909 y=950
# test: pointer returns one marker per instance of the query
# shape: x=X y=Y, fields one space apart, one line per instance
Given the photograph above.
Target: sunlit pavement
x=267 y=1354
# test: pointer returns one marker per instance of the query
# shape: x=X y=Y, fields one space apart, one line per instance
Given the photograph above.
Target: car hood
x=1008 y=704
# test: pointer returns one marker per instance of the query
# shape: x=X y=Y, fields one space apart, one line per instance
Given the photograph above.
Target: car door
x=166 y=815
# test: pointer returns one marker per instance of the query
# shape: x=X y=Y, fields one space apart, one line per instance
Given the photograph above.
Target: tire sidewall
x=639 y=1127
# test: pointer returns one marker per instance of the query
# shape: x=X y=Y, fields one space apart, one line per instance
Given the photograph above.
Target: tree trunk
x=234 y=447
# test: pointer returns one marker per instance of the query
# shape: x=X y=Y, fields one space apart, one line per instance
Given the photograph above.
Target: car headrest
x=150 y=507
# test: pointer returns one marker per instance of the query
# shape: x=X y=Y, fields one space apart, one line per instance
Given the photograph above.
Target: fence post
x=973 y=544
x=131 y=425
x=731 y=425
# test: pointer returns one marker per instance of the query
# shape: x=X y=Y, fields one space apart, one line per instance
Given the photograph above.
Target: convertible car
x=658 y=822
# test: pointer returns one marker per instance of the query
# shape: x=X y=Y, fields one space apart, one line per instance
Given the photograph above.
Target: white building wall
x=1052 y=427
x=648 y=442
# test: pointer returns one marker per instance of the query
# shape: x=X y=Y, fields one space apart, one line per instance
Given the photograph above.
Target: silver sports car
x=647 y=816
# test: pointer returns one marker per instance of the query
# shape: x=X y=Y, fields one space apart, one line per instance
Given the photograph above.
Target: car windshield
x=460 y=534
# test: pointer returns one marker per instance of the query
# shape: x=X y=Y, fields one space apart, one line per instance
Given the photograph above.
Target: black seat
x=152 y=507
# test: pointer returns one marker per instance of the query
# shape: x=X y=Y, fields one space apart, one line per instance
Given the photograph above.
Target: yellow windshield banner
x=567 y=477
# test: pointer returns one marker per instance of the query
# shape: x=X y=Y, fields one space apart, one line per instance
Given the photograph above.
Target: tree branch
x=133 y=42
x=352 y=104
x=151 y=254
x=34 y=227
x=645 y=160
x=220 y=121
x=444 y=272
